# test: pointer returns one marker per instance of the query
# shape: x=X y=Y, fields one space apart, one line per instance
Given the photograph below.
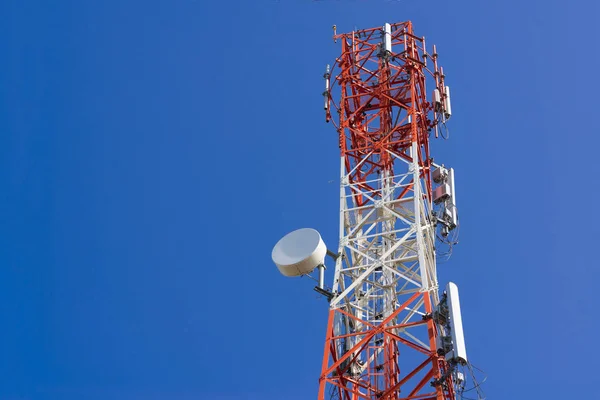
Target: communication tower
x=390 y=333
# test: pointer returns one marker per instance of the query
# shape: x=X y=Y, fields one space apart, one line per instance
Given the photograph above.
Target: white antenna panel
x=447 y=106
x=299 y=252
x=387 y=38
x=459 y=352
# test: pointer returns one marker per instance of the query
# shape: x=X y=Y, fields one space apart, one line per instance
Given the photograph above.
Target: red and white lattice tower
x=390 y=334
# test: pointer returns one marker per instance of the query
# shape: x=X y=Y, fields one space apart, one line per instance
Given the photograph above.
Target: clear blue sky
x=152 y=152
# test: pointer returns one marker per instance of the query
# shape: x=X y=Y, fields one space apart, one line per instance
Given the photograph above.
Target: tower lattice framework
x=381 y=340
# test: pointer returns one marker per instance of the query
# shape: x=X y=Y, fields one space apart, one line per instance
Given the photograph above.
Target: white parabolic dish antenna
x=299 y=252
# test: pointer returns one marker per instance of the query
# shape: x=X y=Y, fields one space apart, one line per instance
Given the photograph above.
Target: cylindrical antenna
x=321 y=276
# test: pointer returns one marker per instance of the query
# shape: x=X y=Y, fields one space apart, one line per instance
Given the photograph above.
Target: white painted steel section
x=387 y=252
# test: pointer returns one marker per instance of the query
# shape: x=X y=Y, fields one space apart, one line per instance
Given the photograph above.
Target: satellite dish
x=299 y=252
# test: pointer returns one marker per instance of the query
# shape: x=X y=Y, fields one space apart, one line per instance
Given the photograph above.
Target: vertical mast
x=383 y=335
